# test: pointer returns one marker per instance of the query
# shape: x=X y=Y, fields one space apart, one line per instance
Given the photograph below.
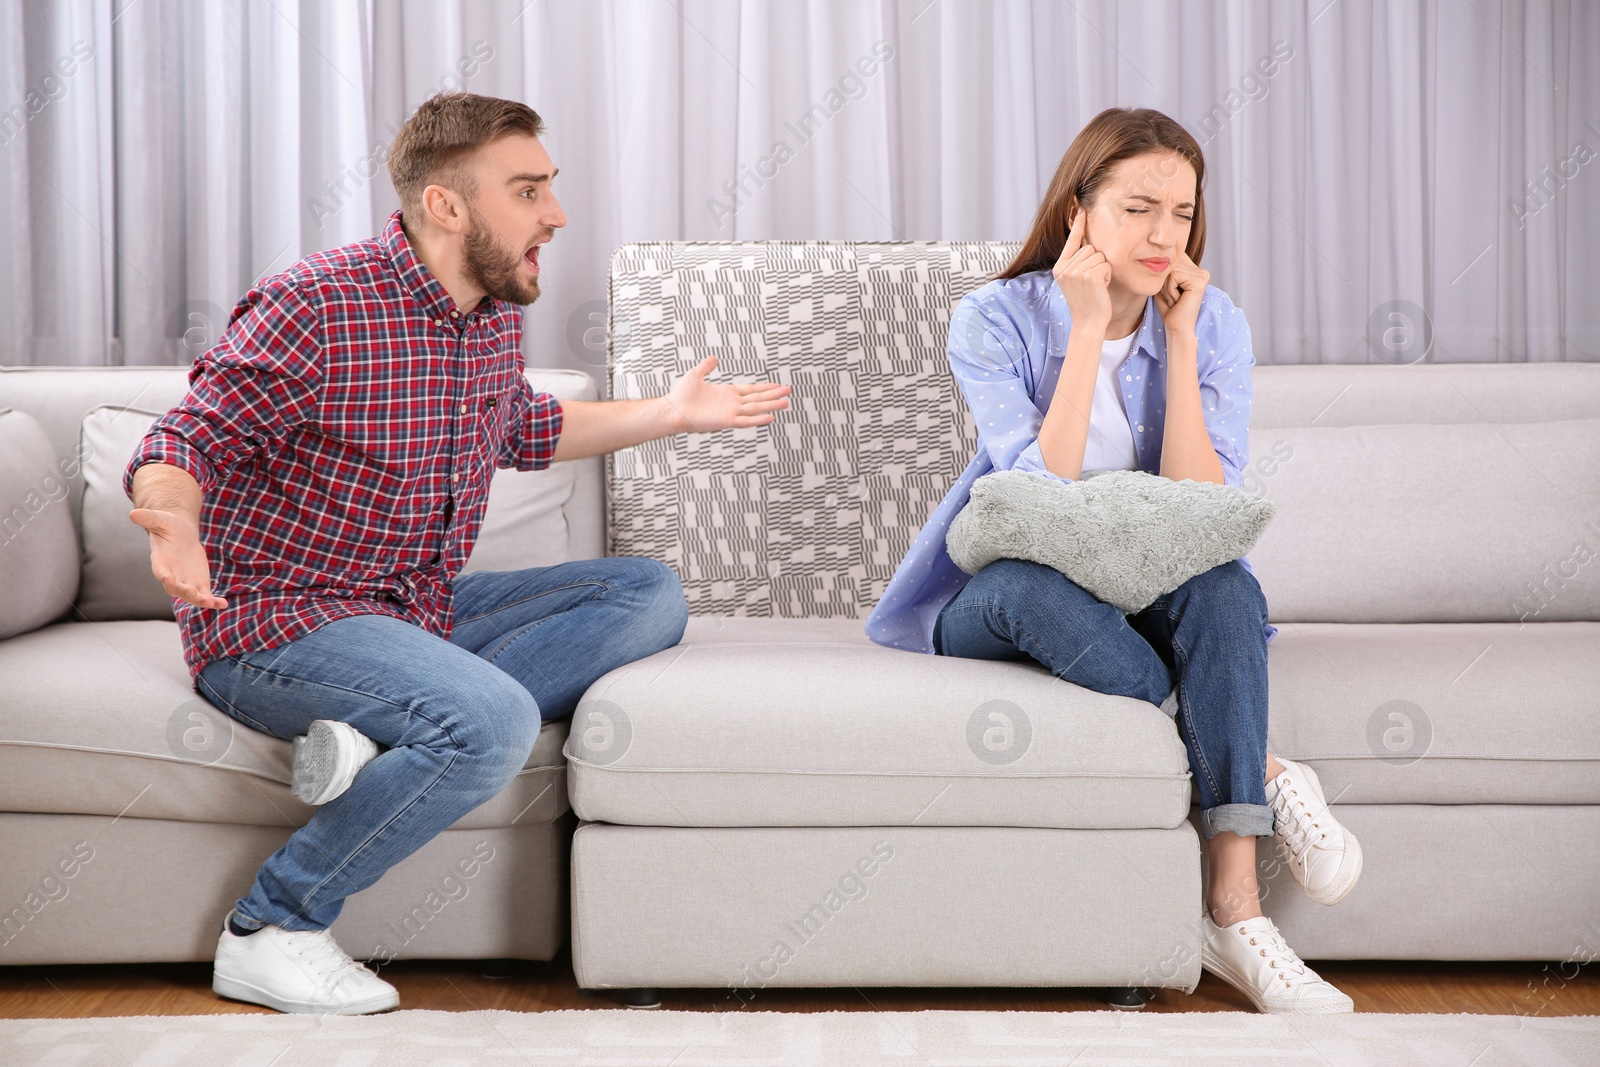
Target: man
x=341 y=437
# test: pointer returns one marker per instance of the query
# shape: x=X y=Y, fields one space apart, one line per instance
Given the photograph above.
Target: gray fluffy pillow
x=1125 y=536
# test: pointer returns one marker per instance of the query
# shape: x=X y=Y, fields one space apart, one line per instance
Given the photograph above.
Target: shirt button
x=455 y=314
x=463 y=409
x=455 y=477
x=438 y=322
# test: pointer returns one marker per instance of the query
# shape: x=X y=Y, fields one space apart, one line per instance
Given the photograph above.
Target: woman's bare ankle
x=1226 y=912
x=1274 y=768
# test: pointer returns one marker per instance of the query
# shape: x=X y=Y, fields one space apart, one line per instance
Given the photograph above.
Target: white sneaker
x=326 y=759
x=300 y=971
x=1252 y=957
x=1323 y=856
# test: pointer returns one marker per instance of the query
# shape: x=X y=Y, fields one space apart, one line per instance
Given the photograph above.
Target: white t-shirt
x=1110 y=443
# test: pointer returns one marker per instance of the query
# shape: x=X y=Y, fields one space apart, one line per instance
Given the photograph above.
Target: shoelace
x=322 y=953
x=1292 y=964
x=1292 y=810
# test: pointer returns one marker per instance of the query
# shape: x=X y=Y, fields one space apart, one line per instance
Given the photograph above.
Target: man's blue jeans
x=459 y=716
x=1205 y=638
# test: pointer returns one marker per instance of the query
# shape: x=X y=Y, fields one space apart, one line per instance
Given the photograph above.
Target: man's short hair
x=433 y=146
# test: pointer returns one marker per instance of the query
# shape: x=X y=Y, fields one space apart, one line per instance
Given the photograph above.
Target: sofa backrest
x=94 y=417
x=1433 y=492
x=810 y=516
x=1465 y=492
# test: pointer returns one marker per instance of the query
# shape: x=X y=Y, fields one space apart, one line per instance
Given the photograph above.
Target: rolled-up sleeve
x=251 y=389
x=989 y=358
x=1225 y=393
x=535 y=426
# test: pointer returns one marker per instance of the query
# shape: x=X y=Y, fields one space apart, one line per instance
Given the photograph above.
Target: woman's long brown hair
x=1115 y=134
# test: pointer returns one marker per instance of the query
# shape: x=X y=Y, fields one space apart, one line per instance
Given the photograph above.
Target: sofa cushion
x=1440 y=713
x=1470 y=522
x=771 y=520
x=38 y=547
x=101 y=720
x=117 y=582
x=788 y=722
x=1355 y=394
x=59 y=397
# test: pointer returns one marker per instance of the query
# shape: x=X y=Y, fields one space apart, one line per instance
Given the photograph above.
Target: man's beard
x=495 y=269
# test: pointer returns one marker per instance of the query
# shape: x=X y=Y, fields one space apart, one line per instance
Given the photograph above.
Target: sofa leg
x=639 y=998
x=1128 y=998
x=501 y=968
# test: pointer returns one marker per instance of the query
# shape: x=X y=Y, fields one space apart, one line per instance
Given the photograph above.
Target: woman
x=1103 y=348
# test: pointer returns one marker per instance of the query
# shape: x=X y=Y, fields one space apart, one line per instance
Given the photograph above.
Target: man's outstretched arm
x=166 y=502
x=694 y=405
x=250 y=390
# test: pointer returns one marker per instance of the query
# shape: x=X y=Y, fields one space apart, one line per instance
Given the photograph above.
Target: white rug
x=831 y=1039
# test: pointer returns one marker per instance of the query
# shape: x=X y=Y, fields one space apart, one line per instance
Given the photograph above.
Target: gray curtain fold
x=1395 y=182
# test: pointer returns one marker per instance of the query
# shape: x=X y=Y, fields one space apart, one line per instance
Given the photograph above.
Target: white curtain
x=1400 y=181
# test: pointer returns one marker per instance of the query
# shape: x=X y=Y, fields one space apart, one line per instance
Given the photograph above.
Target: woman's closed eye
x=1145 y=211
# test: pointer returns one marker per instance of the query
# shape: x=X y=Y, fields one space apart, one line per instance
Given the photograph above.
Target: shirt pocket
x=491 y=425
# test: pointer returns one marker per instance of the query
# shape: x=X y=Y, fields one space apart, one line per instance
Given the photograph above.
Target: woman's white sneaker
x=1252 y=957
x=299 y=971
x=1323 y=856
x=327 y=758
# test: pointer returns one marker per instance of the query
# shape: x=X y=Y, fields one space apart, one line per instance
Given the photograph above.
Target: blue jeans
x=459 y=716
x=1205 y=638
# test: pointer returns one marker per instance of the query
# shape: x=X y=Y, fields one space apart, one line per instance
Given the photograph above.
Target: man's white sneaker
x=1323 y=856
x=1252 y=957
x=301 y=971
x=326 y=759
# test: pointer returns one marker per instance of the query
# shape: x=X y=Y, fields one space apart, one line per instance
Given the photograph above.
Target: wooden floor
x=1539 y=989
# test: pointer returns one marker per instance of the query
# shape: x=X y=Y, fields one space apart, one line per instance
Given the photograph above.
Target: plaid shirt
x=344 y=431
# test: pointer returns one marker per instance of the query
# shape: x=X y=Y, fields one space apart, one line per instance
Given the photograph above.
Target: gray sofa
x=777 y=801
x=132 y=813
x=780 y=802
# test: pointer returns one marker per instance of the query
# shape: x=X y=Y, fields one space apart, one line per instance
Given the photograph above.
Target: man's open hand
x=704 y=406
x=177 y=558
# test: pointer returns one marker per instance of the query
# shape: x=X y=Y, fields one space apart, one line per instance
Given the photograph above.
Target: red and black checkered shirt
x=344 y=430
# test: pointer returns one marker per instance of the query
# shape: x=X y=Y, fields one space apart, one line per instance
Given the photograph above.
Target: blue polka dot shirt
x=1008 y=342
